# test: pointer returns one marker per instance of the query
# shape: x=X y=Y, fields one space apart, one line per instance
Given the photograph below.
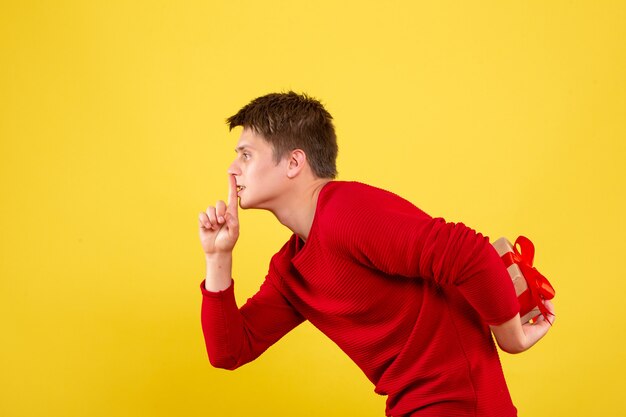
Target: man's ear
x=297 y=160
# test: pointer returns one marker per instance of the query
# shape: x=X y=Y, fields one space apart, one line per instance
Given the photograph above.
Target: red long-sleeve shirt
x=406 y=296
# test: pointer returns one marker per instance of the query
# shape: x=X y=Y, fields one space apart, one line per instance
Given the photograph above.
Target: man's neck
x=299 y=211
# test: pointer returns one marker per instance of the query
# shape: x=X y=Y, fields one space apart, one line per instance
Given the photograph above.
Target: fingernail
x=221 y=219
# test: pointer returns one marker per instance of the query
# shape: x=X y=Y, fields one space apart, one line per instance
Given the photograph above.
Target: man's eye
x=246 y=155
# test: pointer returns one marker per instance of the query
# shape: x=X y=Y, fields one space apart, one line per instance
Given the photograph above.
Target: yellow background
x=507 y=116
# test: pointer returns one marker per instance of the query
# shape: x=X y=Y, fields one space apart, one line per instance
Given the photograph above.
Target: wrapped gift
x=530 y=286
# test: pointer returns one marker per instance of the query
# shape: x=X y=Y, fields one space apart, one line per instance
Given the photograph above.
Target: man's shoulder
x=350 y=207
x=354 y=186
x=354 y=194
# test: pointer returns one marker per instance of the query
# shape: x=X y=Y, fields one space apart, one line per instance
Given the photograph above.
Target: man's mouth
x=240 y=188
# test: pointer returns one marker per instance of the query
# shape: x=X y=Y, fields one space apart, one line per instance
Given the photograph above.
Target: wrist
x=215 y=257
x=218 y=271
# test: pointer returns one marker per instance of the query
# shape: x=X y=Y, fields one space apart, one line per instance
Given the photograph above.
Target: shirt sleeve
x=233 y=336
x=385 y=232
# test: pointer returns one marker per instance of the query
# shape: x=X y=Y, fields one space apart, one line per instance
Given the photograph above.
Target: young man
x=410 y=298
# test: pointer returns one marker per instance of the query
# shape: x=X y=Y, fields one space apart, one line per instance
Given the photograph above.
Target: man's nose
x=233 y=169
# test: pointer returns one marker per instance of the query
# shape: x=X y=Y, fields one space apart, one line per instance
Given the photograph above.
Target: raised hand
x=219 y=225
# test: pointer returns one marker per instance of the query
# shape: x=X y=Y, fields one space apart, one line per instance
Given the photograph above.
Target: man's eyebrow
x=242 y=147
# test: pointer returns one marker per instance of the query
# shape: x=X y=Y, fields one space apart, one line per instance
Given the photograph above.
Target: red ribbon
x=538 y=286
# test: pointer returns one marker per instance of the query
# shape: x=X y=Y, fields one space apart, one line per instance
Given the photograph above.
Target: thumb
x=233 y=201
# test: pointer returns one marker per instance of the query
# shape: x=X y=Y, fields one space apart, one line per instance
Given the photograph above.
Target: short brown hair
x=291 y=121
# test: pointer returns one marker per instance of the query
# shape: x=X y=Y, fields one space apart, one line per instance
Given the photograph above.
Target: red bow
x=538 y=286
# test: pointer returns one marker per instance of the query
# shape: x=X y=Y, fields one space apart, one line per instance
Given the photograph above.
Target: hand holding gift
x=531 y=287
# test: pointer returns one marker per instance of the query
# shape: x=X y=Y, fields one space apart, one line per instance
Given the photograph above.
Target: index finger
x=233 y=202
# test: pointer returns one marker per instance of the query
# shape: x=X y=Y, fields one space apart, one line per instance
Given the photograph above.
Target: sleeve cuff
x=217 y=294
x=502 y=319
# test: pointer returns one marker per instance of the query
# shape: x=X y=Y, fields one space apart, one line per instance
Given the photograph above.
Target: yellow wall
x=508 y=116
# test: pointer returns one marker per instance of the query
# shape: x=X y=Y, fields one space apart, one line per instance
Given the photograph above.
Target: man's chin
x=244 y=205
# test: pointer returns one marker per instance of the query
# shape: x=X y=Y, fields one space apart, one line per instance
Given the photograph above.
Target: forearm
x=222 y=326
x=219 y=268
x=485 y=282
x=460 y=256
x=235 y=336
x=514 y=337
x=510 y=335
